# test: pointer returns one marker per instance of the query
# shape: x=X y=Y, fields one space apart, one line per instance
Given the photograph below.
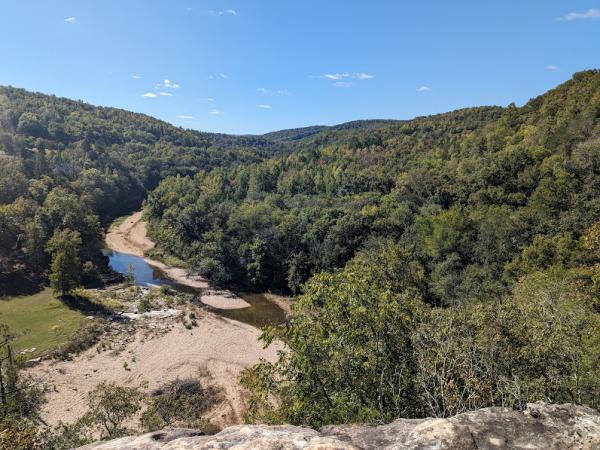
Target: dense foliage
x=363 y=348
x=68 y=165
x=477 y=197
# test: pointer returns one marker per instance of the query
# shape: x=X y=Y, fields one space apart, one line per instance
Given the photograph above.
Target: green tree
x=65 y=269
x=350 y=356
x=110 y=406
x=19 y=402
x=180 y=403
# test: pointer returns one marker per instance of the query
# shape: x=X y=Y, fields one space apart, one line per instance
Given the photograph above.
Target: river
x=260 y=313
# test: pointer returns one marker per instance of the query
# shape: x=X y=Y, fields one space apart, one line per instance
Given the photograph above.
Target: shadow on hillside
x=14 y=285
x=84 y=305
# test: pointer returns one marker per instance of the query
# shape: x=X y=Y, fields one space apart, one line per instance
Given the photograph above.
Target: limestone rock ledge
x=539 y=426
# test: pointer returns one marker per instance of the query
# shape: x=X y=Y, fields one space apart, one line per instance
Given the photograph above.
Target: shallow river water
x=261 y=311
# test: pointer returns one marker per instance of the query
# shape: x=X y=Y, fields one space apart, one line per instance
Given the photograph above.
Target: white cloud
x=342 y=84
x=165 y=94
x=351 y=75
x=136 y=77
x=552 y=68
x=215 y=112
x=335 y=76
x=363 y=76
x=184 y=117
x=423 y=88
x=222 y=76
x=265 y=91
x=590 y=14
x=223 y=12
x=265 y=106
x=209 y=99
x=71 y=20
x=149 y=95
x=168 y=84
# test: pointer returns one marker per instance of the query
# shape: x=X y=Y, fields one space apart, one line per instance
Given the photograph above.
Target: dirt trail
x=131 y=237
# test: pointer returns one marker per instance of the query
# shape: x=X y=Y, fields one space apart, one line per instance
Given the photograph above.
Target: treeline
x=67 y=165
x=477 y=198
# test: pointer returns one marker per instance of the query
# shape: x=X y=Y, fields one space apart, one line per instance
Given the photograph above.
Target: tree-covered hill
x=297 y=134
x=442 y=264
x=475 y=198
x=67 y=164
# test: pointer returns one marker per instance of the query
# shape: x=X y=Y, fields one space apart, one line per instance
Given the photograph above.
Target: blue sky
x=252 y=66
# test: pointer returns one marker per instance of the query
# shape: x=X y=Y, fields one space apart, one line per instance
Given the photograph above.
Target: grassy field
x=40 y=320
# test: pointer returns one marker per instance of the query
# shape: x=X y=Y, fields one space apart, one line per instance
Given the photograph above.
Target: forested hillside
x=474 y=198
x=69 y=165
x=443 y=264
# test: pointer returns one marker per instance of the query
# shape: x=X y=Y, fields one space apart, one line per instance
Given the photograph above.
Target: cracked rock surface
x=539 y=426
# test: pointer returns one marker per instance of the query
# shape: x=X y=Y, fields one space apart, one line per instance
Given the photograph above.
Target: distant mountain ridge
x=296 y=134
x=212 y=138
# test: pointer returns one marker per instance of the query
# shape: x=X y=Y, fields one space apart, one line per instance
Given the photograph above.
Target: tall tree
x=64 y=247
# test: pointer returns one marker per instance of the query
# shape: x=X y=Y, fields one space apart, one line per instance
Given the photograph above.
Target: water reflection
x=145 y=274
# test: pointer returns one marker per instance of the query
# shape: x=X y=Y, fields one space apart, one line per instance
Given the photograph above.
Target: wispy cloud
x=423 y=89
x=351 y=75
x=552 y=68
x=184 y=117
x=71 y=20
x=149 y=95
x=215 y=112
x=343 y=79
x=363 y=76
x=222 y=76
x=209 y=99
x=263 y=90
x=224 y=12
x=165 y=94
x=136 y=77
x=263 y=106
x=590 y=14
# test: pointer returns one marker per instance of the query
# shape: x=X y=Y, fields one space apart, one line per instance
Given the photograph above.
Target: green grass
x=39 y=320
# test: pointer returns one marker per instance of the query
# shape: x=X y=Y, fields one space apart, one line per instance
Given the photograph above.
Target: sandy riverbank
x=148 y=356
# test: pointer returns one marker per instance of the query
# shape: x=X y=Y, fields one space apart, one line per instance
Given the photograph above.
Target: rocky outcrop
x=539 y=426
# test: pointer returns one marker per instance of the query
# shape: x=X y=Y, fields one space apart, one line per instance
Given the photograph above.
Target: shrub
x=179 y=403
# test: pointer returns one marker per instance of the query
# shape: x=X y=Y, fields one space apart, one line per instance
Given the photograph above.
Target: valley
x=437 y=266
